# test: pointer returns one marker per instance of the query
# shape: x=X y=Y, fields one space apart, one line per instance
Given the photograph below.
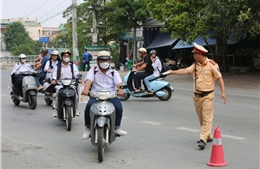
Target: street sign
x=44 y=39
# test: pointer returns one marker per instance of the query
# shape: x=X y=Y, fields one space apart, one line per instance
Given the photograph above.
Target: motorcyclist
x=147 y=66
x=50 y=64
x=62 y=71
x=40 y=67
x=157 y=67
x=17 y=78
x=103 y=77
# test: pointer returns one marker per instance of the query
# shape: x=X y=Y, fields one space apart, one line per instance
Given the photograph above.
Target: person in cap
x=64 y=69
x=146 y=65
x=142 y=53
x=17 y=78
x=205 y=71
x=86 y=58
x=103 y=77
x=157 y=67
x=50 y=64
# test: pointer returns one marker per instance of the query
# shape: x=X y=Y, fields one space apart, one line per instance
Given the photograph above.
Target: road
x=161 y=135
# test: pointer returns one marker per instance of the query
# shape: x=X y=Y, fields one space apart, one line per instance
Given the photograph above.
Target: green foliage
x=18 y=40
x=187 y=19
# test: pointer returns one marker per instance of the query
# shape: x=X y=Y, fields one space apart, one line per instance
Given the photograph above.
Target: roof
x=152 y=23
x=161 y=40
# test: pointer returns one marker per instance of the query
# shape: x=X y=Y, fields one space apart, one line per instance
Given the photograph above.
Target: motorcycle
x=29 y=90
x=49 y=92
x=66 y=101
x=102 y=120
x=160 y=88
x=173 y=65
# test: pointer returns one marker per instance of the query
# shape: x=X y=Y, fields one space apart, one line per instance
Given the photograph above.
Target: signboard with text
x=44 y=39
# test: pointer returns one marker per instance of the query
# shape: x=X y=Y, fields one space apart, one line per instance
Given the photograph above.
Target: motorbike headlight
x=66 y=82
x=103 y=95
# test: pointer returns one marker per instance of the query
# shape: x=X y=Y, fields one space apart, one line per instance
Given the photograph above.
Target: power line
x=37 y=8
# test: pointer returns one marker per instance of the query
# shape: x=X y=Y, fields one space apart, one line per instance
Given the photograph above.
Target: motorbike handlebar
x=162 y=74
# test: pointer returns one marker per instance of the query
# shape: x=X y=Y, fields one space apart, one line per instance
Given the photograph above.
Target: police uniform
x=204 y=76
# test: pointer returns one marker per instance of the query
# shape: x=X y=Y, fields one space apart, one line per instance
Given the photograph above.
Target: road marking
x=151 y=122
x=223 y=135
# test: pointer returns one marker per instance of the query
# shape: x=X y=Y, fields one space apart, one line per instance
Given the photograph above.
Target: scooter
x=160 y=88
x=29 y=90
x=67 y=101
x=102 y=120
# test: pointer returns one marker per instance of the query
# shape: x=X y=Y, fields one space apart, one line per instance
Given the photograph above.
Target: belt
x=203 y=94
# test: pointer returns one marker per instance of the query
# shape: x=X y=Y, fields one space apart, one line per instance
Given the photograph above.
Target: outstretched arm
x=178 y=72
x=222 y=88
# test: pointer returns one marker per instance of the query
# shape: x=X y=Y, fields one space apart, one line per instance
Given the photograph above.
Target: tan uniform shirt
x=206 y=74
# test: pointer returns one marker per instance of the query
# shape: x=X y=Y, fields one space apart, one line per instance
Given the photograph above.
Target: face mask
x=23 y=60
x=104 y=65
x=66 y=59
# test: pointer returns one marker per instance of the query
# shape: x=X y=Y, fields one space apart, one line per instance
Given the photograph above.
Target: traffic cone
x=217 y=154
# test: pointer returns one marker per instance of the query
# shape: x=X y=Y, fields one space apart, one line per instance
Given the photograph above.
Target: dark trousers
x=118 y=106
x=86 y=63
x=138 y=77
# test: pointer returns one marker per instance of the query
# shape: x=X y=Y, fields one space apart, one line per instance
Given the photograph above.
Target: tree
x=18 y=40
x=120 y=16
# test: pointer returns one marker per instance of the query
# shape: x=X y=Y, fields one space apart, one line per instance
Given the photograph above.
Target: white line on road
x=223 y=135
x=151 y=122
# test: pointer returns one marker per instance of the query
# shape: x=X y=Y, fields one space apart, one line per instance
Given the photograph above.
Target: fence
x=11 y=60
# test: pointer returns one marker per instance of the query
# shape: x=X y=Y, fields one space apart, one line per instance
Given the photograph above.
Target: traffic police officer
x=205 y=71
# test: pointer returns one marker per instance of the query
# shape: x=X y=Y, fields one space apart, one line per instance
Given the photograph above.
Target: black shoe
x=202 y=144
x=208 y=140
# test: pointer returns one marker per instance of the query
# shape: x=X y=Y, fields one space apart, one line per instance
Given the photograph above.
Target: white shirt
x=48 y=67
x=21 y=67
x=103 y=81
x=157 y=66
x=65 y=71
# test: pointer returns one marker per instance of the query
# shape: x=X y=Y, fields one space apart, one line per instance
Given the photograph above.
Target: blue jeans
x=147 y=83
x=118 y=106
x=37 y=82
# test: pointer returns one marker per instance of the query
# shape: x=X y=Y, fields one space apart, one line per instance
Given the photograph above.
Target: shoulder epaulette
x=212 y=62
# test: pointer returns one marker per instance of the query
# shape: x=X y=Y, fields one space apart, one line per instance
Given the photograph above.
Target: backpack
x=165 y=67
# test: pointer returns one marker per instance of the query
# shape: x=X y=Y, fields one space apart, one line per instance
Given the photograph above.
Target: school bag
x=165 y=67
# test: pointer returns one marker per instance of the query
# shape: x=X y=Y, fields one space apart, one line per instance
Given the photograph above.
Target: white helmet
x=22 y=56
x=142 y=50
x=55 y=52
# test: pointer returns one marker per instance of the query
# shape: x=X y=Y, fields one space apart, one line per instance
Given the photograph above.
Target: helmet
x=55 y=52
x=153 y=52
x=142 y=50
x=22 y=56
x=103 y=55
x=44 y=51
x=64 y=52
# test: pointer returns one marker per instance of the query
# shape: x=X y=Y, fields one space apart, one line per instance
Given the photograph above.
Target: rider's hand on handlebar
x=120 y=92
x=80 y=80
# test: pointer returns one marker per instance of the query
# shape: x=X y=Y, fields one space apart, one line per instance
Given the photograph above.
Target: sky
x=48 y=12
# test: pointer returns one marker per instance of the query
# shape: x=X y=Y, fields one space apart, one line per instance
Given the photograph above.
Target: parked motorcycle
x=160 y=88
x=66 y=101
x=102 y=120
x=29 y=90
x=173 y=65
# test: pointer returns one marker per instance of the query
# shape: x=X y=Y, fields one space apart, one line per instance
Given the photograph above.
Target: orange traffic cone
x=217 y=154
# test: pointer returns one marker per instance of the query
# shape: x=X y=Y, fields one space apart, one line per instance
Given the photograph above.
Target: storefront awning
x=161 y=40
x=211 y=41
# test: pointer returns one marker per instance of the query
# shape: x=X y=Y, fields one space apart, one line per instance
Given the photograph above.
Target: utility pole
x=94 y=24
x=74 y=32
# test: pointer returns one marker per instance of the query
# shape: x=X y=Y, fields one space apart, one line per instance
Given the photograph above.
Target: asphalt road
x=161 y=135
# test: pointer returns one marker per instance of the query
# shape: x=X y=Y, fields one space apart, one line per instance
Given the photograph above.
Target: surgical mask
x=23 y=60
x=66 y=59
x=104 y=65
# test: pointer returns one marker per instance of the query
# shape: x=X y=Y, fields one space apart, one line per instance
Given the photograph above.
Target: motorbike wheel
x=16 y=101
x=101 y=148
x=168 y=94
x=48 y=101
x=68 y=118
x=32 y=101
x=125 y=97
